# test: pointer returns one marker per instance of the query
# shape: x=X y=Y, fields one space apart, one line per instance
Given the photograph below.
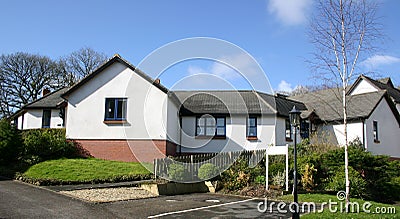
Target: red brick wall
x=131 y=150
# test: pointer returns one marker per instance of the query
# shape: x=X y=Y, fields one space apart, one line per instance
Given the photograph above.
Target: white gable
x=362 y=87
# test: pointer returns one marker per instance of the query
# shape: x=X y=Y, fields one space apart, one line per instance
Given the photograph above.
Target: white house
x=45 y=112
x=214 y=121
x=118 y=112
x=372 y=116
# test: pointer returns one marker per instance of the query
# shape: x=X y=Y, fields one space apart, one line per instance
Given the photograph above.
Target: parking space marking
x=200 y=208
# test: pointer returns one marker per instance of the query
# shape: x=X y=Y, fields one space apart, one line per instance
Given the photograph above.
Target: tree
x=343 y=32
x=83 y=61
x=22 y=78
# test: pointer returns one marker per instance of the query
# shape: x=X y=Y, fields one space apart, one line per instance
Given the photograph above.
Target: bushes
x=33 y=146
x=208 y=171
x=47 y=144
x=10 y=143
x=357 y=183
x=176 y=172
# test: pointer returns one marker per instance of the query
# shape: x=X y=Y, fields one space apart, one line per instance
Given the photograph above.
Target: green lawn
x=72 y=171
x=320 y=198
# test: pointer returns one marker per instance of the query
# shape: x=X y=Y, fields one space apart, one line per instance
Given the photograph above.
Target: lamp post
x=294 y=116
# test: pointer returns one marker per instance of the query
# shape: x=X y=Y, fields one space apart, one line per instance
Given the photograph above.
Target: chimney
x=157 y=81
x=45 y=91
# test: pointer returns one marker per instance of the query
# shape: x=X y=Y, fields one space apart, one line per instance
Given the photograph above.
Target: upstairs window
x=115 y=109
x=252 y=127
x=210 y=126
x=46 y=118
x=376 y=133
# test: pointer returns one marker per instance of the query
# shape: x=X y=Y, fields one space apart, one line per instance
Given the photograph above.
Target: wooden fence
x=192 y=163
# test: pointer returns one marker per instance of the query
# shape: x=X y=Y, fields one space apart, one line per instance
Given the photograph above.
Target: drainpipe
x=363 y=135
x=180 y=135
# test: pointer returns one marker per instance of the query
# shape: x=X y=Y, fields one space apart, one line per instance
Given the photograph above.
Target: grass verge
x=77 y=171
x=377 y=210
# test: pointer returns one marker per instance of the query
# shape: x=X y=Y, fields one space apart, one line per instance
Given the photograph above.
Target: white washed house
x=118 y=112
x=45 y=112
x=372 y=116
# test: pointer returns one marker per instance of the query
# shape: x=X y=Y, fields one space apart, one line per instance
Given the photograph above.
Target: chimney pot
x=45 y=91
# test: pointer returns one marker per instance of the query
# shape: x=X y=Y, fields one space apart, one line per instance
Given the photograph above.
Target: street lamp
x=294 y=116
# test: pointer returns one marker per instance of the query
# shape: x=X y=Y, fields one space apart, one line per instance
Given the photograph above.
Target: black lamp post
x=294 y=116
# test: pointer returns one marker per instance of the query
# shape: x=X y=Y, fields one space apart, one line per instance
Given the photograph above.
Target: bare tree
x=22 y=78
x=343 y=32
x=82 y=62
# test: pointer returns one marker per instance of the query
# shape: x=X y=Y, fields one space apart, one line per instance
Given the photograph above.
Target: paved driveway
x=20 y=200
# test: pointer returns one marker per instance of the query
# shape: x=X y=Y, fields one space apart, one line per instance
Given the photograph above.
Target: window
x=115 y=109
x=304 y=129
x=46 y=118
x=375 y=128
x=208 y=125
x=251 y=127
x=288 y=130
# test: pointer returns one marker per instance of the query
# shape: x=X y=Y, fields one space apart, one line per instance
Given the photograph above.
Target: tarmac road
x=20 y=200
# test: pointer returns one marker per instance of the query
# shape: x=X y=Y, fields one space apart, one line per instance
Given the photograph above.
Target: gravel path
x=109 y=194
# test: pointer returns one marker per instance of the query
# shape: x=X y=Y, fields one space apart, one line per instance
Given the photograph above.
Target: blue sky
x=273 y=32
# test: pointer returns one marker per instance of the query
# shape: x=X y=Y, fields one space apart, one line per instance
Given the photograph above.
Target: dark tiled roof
x=233 y=102
x=50 y=100
x=116 y=58
x=327 y=104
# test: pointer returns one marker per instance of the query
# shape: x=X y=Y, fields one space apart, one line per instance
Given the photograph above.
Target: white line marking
x=200 y=208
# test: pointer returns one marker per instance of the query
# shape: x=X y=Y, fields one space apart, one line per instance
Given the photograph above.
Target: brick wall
x=128 y=151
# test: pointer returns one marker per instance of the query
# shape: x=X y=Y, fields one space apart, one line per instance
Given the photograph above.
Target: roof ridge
x=266 y=103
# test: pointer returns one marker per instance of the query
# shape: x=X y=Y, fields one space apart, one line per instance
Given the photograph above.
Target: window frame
x=287 y=123
x=375 y=131
x=43 y=118
x=115 y=118
x=205 y=126
x=248 y=126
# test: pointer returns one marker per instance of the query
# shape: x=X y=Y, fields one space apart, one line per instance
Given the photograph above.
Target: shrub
x=237 y=176
x=279 y=179
x=208 y=171
x=357 y=183
x=260 y=180
x=10 y=143
x=46 y=144
x=308 y=177
x=176 y=172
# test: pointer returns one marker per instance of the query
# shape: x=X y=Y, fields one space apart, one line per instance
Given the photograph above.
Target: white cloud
x=290 y=12
x=242 y=65
x=285 y=86
x=194 y=70
x=379 y=60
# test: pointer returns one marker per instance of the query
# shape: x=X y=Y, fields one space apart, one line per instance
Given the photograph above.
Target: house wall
x=388 y=131
x=235 y=135
x=32 y=119
x=280 y=133
x=147 y=116
x=335 y=133
x=363 y=87
x=172 y=126
x=145 y=107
